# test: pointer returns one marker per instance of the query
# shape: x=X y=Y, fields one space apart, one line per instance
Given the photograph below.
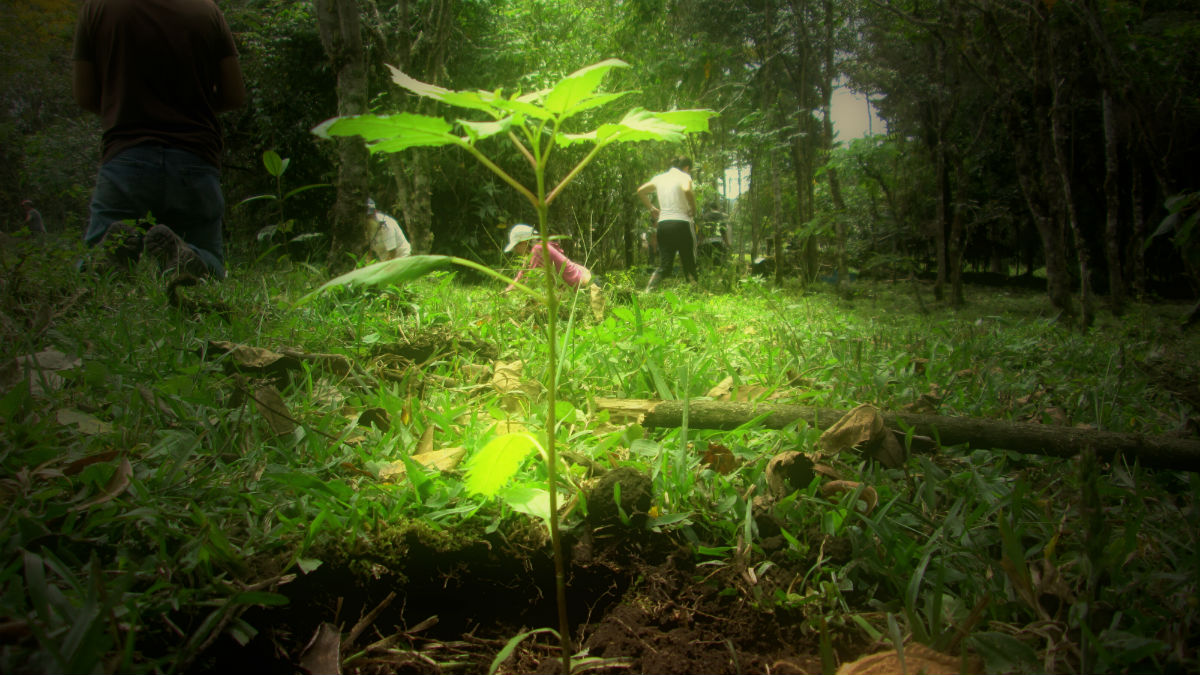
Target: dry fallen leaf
x=442 y=460
x=82 y=421
x=719 y=458
x=837 y=487
x=863 y=429
x=271 y=406
x=40 y=370
x=115 y=486
x=787 y=472
x=323 y=653
x=596 y=302
x=721 y=391
x=515 y=391
x=917 y=658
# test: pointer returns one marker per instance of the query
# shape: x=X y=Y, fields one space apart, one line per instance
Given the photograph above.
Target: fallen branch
x=1164 y=452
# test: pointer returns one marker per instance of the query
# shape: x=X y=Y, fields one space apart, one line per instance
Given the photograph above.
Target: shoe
x=165 y=247
x=121 y=246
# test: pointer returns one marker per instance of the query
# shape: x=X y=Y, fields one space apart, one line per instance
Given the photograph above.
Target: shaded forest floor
x=212 y=479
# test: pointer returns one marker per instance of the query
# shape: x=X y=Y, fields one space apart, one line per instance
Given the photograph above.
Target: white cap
x=518 y=234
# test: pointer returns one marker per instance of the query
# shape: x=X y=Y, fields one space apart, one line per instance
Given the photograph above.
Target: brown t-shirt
x=157 y=66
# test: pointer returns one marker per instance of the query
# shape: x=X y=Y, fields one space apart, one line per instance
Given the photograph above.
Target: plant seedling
x=534 y=123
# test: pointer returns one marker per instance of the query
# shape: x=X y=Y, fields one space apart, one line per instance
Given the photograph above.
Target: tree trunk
x=835 y=188
x=1066 y=193
x=1150 y=451
x=1136 y=201
x=777 y=219
x=341 y=35
x=1112 y=203
x=411 y=173
x=1028 y=169
x=955 y=244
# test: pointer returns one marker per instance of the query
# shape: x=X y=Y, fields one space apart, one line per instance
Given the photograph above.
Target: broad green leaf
x=522 y=105
x=643 y=125
x=528 y=500
x=639 y=125
x=693 y=121
x=566 y=140
x=480 y=130
x=498 y=461
x=392 y=133
x=579 y=86
x=397 y=271
x=464 y=99
x=595 y=102
x=275 y=165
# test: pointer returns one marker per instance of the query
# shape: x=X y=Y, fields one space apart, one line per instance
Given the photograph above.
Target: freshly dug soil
x=643 y=599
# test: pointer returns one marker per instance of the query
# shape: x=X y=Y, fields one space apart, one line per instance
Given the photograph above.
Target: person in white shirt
x=675 y=213
x=387 y=239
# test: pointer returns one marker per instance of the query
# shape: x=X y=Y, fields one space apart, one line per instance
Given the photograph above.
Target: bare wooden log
x=1164 y=452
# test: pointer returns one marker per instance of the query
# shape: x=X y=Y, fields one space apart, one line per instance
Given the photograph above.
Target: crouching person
x=569 y=272
x=387 y=239
x=157 y=74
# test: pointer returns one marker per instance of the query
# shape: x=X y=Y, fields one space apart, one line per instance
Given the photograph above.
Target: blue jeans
x=177 y=188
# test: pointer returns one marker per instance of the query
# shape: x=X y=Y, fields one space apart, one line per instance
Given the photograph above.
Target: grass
x=144 y=522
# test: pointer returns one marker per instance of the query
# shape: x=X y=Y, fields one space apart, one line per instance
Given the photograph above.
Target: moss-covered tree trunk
x=340 y=26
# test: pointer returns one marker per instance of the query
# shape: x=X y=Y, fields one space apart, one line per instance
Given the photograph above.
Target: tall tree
x=341 y=34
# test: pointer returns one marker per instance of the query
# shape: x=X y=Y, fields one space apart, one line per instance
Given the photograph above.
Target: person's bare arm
x=231 y=89
x=643 y=193
x=86 y=86
x=691 y=198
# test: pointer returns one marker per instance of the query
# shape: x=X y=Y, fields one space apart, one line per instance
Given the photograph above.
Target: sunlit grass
x=216 y=503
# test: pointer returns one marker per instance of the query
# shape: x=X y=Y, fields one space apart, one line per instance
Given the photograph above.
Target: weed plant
x=141 y=525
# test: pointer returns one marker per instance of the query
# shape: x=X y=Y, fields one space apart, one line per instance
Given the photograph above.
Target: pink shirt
x=573 y=274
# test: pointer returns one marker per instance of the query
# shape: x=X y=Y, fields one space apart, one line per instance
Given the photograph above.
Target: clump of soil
x=635 y=596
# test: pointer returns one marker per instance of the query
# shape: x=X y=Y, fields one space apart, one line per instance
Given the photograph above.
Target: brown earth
x=643 y=600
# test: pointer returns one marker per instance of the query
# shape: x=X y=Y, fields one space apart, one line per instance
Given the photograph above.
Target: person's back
x=158 y=72
x=157 y=66
x=673 y=187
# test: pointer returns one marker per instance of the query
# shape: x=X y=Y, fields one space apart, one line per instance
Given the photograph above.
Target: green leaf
x=479 y=130
x=693 y=121
x=511 y=646
x=257 y=198
x=572 y=93
x=669 y=519
x=305 y=188
x=643 y=125
x=397 y=271
x=477 y=100
x=392 y=133
x=497 y=462
x=522 y=105
x=528 y=500
x=275 y=165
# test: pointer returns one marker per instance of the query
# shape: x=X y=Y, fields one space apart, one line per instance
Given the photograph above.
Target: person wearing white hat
x=572 y=273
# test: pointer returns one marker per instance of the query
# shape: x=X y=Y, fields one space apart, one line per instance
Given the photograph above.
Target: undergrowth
x=149 y=502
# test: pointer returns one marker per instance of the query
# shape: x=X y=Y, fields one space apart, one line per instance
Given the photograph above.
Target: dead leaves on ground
x=913 y=658
x=863 y=430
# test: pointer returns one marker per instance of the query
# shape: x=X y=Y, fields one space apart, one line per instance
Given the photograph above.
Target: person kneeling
x=568 y=271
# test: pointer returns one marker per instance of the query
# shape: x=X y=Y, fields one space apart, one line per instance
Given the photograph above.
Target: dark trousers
x=675 y=236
